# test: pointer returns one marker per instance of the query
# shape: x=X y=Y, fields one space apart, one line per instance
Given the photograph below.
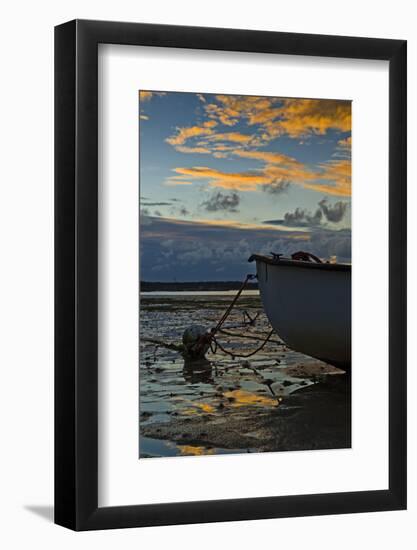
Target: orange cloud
x=301 y=117
x=333 y=177
x=338 y=174
x=183 y=134
x=279 y=116
x=185 y=149
x=346 y=143
x=281 y=167
x=264 y=116
x=210 y=124
x=146 y=96
x=269 y=157
x=223 y=147
x=231 y=109
x=238 y=181
x=329 y=189
x=236 y=137
x=216 y=112
x=273 y=117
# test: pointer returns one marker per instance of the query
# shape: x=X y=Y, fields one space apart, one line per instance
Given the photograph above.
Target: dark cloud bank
x=277 y=187
x=222 y=202
x=186 y=251
x=303 y=218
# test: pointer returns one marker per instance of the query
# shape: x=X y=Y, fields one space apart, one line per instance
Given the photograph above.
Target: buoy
x=195 y=342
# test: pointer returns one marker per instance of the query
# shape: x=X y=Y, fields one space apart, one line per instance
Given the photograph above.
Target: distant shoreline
x=146 y=286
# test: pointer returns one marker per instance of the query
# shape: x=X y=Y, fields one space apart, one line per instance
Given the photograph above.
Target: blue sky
x=224 y=176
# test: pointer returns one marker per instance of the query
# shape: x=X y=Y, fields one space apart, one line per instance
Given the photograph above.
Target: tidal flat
x=275 y=400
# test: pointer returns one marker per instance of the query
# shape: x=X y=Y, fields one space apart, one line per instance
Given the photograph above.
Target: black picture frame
x=76 y=271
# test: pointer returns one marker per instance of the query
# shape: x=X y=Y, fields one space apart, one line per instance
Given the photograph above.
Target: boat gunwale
x=299 y=263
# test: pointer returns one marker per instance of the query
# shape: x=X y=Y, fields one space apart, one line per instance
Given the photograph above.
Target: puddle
x=235 y=399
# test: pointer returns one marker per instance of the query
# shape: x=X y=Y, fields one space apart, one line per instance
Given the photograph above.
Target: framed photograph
x=230 y=245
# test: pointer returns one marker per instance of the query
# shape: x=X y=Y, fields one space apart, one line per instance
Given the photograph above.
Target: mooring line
x=244 y=356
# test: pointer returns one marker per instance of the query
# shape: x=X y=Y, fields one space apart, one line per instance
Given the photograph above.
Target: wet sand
x=277 y=400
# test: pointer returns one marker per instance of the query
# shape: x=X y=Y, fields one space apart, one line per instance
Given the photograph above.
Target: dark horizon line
x=149 y=286
x=227 y=281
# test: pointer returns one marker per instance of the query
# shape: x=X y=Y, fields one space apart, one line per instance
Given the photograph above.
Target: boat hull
x=310 y=308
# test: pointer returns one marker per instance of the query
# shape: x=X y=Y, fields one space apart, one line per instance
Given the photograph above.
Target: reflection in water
x=242 y=398
x=195 y=450
x=197 y=408
x=197 y=371
x=219 y=404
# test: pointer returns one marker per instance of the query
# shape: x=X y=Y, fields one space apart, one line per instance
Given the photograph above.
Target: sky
x=226 y=176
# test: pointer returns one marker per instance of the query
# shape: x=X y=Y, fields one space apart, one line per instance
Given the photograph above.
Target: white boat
x=308 y=304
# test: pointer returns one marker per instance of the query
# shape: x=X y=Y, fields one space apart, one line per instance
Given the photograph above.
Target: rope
x=232 y=354
x=247 y=336
x=210 y=338
x=229 y=309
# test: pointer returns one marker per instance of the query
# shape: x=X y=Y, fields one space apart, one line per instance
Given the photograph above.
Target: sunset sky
x=222 y=177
